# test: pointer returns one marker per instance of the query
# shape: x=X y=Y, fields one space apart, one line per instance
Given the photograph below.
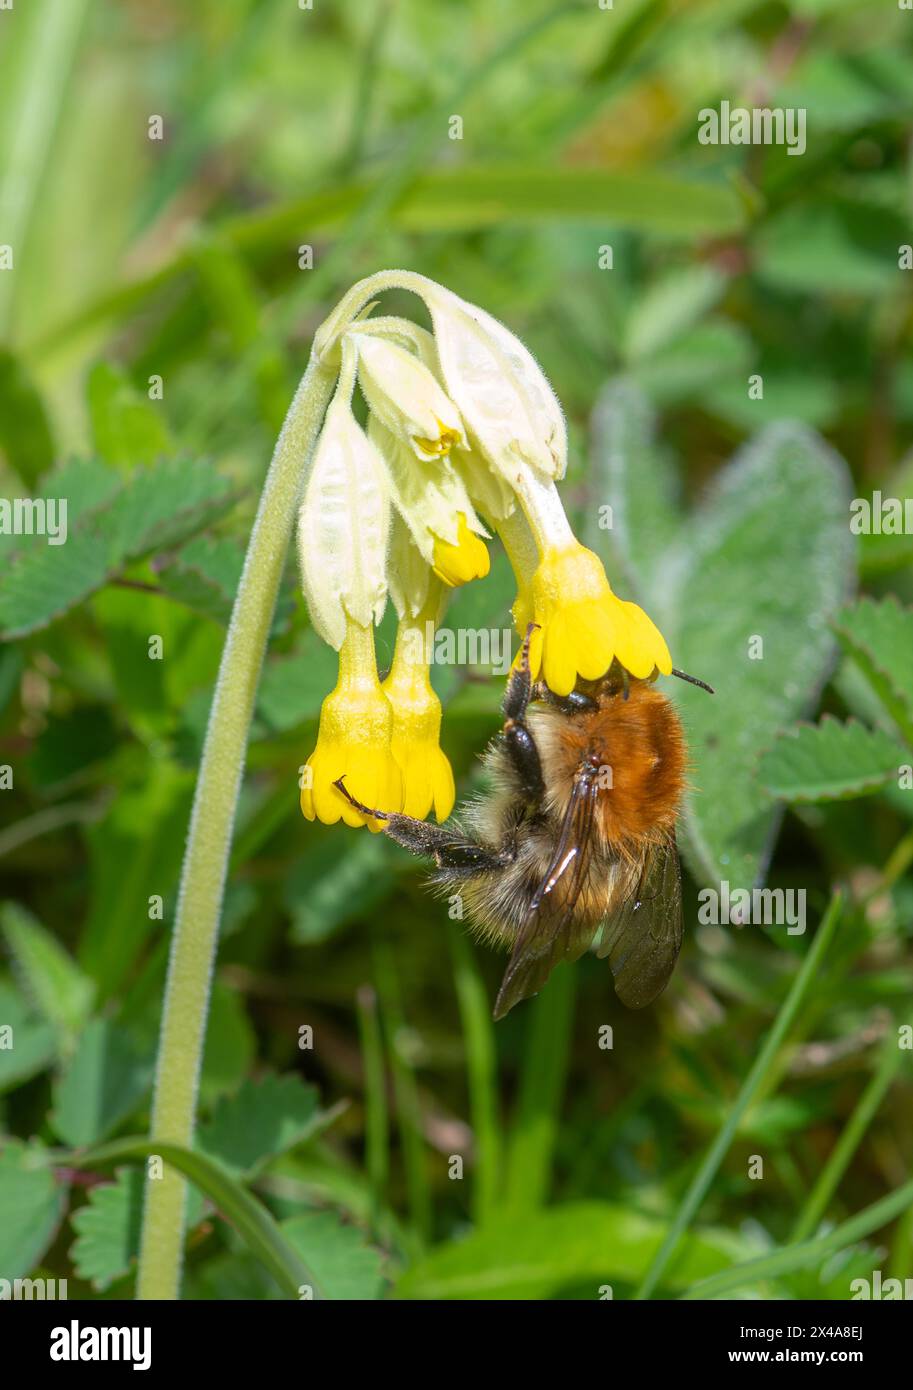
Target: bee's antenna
x=693 y=680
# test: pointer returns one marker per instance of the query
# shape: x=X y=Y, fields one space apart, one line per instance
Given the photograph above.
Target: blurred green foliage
x=154 y=325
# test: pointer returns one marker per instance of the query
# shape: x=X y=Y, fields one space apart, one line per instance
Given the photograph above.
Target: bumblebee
x=574 y=843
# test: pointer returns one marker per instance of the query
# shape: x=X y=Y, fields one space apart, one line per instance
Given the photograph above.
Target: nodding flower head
x=460 y=421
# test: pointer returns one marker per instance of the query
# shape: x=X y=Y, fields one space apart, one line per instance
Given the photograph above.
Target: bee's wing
x=643 y=938
x=550 y=932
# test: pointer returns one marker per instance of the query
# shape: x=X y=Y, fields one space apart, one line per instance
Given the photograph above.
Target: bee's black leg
x=520 y=684
x=518 y=741
x=575 y=703
x=449 y=849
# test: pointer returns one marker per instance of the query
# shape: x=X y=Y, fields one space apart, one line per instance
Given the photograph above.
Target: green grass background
x=136 y=258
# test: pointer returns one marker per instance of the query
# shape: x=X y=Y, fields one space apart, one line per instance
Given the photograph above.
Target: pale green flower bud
x=405 y=397
x=343 y=528
x=508 y=408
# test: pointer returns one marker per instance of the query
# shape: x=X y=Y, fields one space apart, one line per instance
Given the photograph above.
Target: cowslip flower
x=426 y=771
x=582 y=626
x=355 y=740
x=343 y=537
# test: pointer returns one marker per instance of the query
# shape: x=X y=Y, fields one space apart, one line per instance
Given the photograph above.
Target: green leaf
x=262 y=1119
x=344 y=1265
x=832 y=248
x=108 y=1229
x=231 y=1044
x=249 y=1216
x=128 y=429
x=579 y=1244
x=470 y=197
x=155 y=508
x=204 y=575
x=293 y=688
x=670 y=305
x=830 y=760
x=104 y=1082
x=51 y=980
x=730 y=573
x=745 y=574
x=332 y=882
x=31 y=1206
x=697 y=362
x=878 y=635
x=30 y=1045
x=161 y=507
x=635 y=477
x=134 y=853
x=25 y=433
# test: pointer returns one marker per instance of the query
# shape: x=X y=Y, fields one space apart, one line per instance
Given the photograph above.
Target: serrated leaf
x=204 y=575
x=732 y=571
x=878 y=635
x=262 y=1119
x=104 y=1082
x=50 y=978
x=108 y=1228
x=830 y=761
x=31 y=1206
x=155 y=508
x=161 y=507
x=28 y=1045
x=343 y=1263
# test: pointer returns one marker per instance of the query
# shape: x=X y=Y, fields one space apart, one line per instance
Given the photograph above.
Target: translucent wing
x=643 y=938
x=551 y=931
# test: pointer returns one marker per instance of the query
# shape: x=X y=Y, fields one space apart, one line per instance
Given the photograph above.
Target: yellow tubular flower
x=354 y=741
x=467 y=559
x=427 y=775
x=583 y=625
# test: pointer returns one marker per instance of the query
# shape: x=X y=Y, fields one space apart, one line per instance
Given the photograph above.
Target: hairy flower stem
x=196 y=927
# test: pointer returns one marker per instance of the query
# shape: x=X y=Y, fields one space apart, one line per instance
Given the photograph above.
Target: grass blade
x=481 y=1066
x=750 y=1088
x=541 y=1092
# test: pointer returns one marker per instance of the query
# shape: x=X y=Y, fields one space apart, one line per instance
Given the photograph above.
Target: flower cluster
x=461 y=425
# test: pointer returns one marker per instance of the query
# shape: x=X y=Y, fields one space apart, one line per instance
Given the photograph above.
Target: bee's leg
x=518 y=741
x=449 y=849
x=520 y=683
x=575 y=703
